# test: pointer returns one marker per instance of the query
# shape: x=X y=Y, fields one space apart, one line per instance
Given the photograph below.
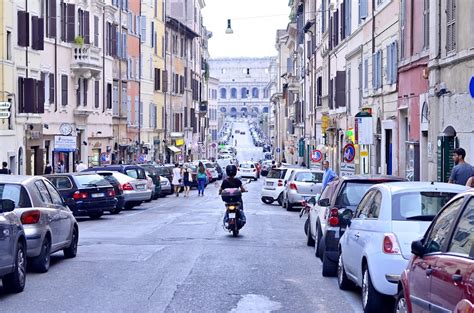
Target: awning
x=174 y=149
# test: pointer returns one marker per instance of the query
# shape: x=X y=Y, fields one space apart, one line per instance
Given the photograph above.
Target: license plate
x=97 y=195
x=231 y=215
x=269 y=184
x=140 y=187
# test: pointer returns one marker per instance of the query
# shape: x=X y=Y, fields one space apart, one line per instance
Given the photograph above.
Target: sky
x=254 y=23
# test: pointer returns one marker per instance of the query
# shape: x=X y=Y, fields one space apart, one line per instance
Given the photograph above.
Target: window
x=450 y=26
x=50 y=17
x=362 y=208
x=51 y=88
x=61 y=182
x=64 y=92
x=157 y=79
x=17 y=193
x=352 y=192
x=441 y=226
x=83 y=25
x=55 y=196
x=347 y=17
x=9 y=45
x=360 y=86
x=96 y=31
x=243 y=93
x=109 y=96
x=426 y=23
x=392 y=63
x=43 y=192
x=143 y=29
x=233 y=93
x=223 y=94
x=366 y=74
x=23 y=28
x=96 y=94
x=377 y=70
x=309 y=177
x=464 y=232
x=363 y=10
x=255 y=93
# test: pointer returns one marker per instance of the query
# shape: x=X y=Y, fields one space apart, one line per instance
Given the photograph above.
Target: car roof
x=371 y=177
x=400 y=187
x=15 y=179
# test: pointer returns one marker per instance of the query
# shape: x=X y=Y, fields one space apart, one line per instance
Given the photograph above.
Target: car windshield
x=16 y=193
x=209 y=165
x=87 y=181
x=352 y=192
x=418 y=205
x=276 y=173
x=309 y=177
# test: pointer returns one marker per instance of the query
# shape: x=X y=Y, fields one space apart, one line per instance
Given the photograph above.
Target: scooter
x=234 y=222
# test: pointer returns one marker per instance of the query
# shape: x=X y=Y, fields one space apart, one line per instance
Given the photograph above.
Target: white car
x=165 y=186
x=247 y=169
x=274 y=185
x=376 y=247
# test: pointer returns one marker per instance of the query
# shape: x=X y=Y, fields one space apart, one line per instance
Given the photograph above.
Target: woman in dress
x=177 y=177
x=201 y=177
x=188 y=180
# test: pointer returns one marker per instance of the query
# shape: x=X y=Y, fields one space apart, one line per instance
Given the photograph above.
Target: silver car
x=165 y=186
x=48 y=223
x=12 y=247
x=301 y=185
x=135 y=191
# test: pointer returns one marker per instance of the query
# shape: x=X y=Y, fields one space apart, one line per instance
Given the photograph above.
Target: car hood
x=407 y=232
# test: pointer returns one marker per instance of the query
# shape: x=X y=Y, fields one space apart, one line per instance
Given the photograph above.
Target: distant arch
x=223 y=110
x=255 y=92
x=223 y=92
x=243 y=93
x=265 y=109
x=233 y=93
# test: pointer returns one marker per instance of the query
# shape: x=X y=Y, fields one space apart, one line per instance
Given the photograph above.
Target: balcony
x=86 y=61
x=82 y=112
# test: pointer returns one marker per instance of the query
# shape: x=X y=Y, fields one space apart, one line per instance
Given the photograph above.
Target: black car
x=117 y=188
x=219 y=170
x=134 y=171
x=155 y=176
x=165 y=171
x=86 y=194
x=336 y=200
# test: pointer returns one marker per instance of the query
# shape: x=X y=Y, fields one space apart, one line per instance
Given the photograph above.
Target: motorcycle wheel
x=235 y=232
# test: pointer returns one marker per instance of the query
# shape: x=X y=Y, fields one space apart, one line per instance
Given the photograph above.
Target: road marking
x=256 y=304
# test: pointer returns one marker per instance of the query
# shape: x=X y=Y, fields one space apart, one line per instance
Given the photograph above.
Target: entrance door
x=446 y=145
x=388 y=150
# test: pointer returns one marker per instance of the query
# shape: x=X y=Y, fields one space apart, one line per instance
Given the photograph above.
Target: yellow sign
x=324 y=123
x=364 y=153
x=179 y=142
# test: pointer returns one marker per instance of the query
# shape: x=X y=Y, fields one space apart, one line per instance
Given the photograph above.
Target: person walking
x=201 y=177
x=48 y=169
x=462 y=171
x=177 y=178
x=81 y=167
x=5 y=170
x=187 y=180
x=60 y=167
x=470 y=182
x=328 y=175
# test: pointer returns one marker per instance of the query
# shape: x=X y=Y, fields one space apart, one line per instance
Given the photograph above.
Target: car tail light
x=127 y=186
x=390 y=244
x=111 y=193
x=30 y=217
x=280 y=183
x=334 y=217
x=293 y=186
x=120 y=187
x=78 y=195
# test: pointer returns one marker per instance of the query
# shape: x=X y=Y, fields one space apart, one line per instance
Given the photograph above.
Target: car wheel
x=372 y=300
x=71 y=251
x=309 y=236
x=401 y=305
x=96 y=215
x=280 y=200
x=129 y=206
x=115 y=210
x=267 y=201
x=40 y=264
x=289 y=206
x=15 y=281
x=342 y=279
x=317 y=245
x=329 y=267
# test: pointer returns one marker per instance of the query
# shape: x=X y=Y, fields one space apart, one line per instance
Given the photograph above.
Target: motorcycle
x=231 y=197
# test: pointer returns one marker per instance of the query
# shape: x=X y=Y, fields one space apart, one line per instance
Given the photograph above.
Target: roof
x=15 y=179
x=397 y=187
x=178 y=26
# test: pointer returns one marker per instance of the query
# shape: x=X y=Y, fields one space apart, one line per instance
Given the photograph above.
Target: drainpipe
x=140 y=85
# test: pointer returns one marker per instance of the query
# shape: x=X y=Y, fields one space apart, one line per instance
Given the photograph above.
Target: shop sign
x=176 y=135
x=347 y=169
x=179 y=142
x=65 y=143
x=5 y=105
x=349 y=153
x=4 y=115
x=364 y=153
x=471 y=87
x=364 y=134
x=324 y=123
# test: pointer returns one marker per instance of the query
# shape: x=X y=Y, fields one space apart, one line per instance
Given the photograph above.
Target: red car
x=440 y=275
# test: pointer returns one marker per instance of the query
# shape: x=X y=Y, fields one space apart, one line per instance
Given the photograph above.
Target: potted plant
x=79 y=40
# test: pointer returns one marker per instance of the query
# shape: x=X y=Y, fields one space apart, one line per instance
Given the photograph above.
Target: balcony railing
x=86 y=56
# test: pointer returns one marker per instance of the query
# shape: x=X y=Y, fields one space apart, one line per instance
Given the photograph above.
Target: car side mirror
x=312 y=200
x=324 y=202
x=417 y=248
x=7 y=205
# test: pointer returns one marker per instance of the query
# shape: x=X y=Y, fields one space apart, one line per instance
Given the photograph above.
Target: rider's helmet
x=231 y=170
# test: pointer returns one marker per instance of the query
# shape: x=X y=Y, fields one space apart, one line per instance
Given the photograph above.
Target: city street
x=172 y=255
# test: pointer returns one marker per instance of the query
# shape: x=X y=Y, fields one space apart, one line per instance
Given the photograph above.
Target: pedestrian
x=273 y=164
x=5 y=170
x=81 y=167
x=187 y=180
x=177 y=178
x=470 y=182
x=462 y=171
x=328 y=175
x=48 y=169
x=201 y=177
x=60 y=167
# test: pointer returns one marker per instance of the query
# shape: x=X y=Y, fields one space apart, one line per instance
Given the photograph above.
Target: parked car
x=85 y=193
x=375 y=247
x=135 y=191
x=108 y=176
x=274 y=184
x=153 y=173
x=134 y=171
x=150 y=186
x=12 y=247
x=219 y=170
x=301 y=185
x=247 y=169
x=441 y=270
x=165 y=187
x=326 y=224
x=165 y=171
x=48 y=223
x=266 y=167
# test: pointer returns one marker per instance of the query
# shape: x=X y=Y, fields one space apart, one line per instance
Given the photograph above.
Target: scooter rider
x=232 y=182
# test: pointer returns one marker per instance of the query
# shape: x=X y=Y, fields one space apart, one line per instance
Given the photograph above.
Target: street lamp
x=229 y=28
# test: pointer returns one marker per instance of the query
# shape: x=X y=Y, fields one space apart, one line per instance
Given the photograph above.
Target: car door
x=451 y=275
x=352 y=244
x=53 y=216
x=6 y=241
x=65 y=224
x=421 y=268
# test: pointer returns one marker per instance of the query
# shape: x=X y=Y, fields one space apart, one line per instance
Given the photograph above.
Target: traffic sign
x=141 y=158
x=278 y=150
x=471 y=87
x=316 y=156
x=349 y=153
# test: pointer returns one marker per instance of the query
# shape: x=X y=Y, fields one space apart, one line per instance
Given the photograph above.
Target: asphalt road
x=172 y=255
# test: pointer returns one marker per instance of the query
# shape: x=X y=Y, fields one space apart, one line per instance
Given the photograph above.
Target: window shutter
x=395 y=62
x=34 y=32
x=21 y=103
x=96 y=94
x=165 y=81
x=380 y=67
x=361 y=77
x=86 y=87
x=143 y=28
x=70 y=22
x=450 y=25
x=64 y=89
x=29 y=95
x=152 y=34
x=343 y=20
x=330 y=38
x=388 y=69
x=348 y=16
x=86 y=28
x=23 y=28
x=129 y=110
x=340 y=89
x=40 y=96
x=363 y=9
x=52 y=19
x=374 y=71
x=96 y=30
x=51 y=88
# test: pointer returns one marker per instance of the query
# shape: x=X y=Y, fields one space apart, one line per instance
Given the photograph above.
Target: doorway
x=388 y=151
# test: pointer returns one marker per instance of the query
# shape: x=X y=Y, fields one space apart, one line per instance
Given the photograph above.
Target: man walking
x=5 y=169
x=462 y=171
x=328 y=175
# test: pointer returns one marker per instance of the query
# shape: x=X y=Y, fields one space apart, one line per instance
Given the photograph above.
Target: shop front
x=34 y=157
x=62 y=153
